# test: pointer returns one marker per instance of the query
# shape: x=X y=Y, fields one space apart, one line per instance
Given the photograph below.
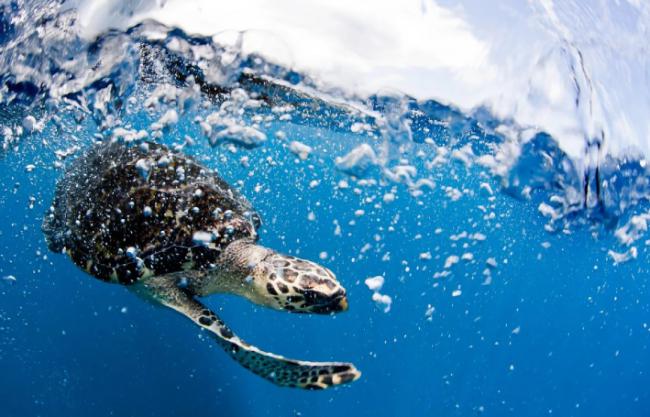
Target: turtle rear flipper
x=275 y=368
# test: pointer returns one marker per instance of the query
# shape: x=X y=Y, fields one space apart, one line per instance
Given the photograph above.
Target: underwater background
x=515 y=262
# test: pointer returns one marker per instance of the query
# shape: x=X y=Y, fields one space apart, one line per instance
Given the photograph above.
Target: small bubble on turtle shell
x=163 y=161
x=198 y=193
x=131 y=252
x=147 y=211
x=228 y=214
x=180 y=173
x=202 y=238
x=183 y=282
x=143 y=167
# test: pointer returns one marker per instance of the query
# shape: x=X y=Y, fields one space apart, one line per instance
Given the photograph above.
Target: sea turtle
x=172 y=230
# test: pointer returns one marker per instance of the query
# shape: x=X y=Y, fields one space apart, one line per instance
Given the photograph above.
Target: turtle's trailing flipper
x=275 y=368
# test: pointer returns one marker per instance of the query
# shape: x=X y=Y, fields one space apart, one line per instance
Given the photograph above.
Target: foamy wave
x=574 y=69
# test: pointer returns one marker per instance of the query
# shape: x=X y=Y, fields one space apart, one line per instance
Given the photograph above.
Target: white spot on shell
x=131 y=252
x=143 y=167
x=163 y=161
x=203 y=238
x=180 y=173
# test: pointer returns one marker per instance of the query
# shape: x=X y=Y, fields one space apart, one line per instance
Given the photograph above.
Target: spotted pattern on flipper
x=275 y=368
x=296 y=373
x=282 y=371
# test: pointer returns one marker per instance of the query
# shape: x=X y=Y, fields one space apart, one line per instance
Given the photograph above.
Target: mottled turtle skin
x=126 y=212
x=173 y=231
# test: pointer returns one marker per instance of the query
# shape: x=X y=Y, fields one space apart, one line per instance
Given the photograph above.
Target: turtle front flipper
x=275 y=368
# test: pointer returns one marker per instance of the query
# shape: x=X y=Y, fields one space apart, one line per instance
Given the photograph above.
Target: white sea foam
x=383 y=301
x=303 y=151
x=626 y=256
x=357 y=161
x=454 y=51
x=633 y=230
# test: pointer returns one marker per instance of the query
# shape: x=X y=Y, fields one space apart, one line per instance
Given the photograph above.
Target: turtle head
x=280 y=281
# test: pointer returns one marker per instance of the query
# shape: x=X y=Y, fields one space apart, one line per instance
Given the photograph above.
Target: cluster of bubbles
x=54 y=79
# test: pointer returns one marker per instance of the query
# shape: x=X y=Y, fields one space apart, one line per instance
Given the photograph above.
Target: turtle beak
x=343 y=304
x=320 y=304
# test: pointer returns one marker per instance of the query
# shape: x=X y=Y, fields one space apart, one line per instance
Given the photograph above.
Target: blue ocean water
x=495 y=311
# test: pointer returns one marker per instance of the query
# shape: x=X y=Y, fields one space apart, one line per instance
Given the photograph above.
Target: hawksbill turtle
x=172 y=230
